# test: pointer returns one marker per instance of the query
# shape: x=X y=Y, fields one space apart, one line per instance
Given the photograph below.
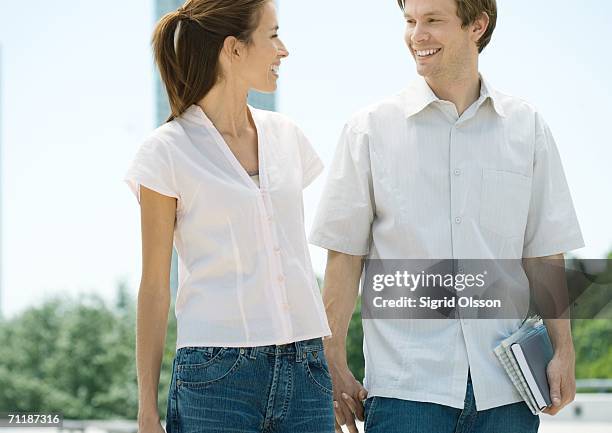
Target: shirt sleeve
x=552 y=225
x=344 y=217
x=312 y=166
x=152 y=168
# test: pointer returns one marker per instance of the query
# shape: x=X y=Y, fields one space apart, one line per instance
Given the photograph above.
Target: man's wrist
x=335 y=349
x=565 y=350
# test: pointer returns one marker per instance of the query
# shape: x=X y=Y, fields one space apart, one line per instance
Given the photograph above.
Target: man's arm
x=547 y=278
x=340 y=290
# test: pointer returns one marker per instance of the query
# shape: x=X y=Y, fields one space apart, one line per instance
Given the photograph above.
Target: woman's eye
x=274 y=36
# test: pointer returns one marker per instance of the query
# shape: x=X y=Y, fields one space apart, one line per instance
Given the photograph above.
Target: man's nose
x=419 y=34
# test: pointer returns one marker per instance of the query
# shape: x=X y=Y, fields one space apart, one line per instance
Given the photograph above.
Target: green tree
x=76 y=357
x=354 y=344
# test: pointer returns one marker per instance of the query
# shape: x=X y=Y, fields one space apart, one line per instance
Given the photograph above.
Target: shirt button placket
x=274 y=246
x=456 y=186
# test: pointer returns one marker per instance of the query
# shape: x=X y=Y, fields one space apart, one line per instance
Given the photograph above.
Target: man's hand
x=340 y=290
x=547 y=281
x=348 y=394
x=561 y=380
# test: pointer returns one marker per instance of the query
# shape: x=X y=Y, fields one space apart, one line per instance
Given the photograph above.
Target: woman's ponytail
x=187 y=42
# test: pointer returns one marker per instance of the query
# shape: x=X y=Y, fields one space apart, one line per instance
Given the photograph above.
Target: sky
x=77 y=99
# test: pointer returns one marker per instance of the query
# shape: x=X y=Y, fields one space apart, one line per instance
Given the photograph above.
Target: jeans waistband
x=297 y=348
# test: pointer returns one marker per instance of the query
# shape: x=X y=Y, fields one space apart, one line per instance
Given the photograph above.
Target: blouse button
x=281 y=278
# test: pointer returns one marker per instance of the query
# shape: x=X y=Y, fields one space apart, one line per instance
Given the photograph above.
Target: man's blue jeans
x=280 y=388
x=391 y=415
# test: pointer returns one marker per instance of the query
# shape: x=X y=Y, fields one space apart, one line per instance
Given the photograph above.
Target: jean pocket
x=317 y=371
x=368 y=410
x=504 y=202
x=203 y=366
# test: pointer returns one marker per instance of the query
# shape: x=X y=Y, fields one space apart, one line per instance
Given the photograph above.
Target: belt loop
x=253 y=352
x=299 y=350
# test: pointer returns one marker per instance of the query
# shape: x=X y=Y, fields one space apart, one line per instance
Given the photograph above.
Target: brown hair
x=189 y=73
x=468 y=11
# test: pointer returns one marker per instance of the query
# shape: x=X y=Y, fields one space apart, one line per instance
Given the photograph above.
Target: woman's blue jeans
x=279 y=388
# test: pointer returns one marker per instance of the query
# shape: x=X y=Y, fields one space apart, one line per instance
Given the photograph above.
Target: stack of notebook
x=525 y=356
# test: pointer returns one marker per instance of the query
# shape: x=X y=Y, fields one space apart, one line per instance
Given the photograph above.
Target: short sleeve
x=344 y=217
x=152 y=168
x=552 y=225
x=312 y=166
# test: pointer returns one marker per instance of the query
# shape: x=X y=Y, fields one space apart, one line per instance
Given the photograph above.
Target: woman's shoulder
x=167 y=137
x=170 y=132
x=274 y=119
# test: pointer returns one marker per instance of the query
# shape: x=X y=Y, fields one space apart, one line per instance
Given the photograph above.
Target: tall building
x=162 y=110
x=1 y=207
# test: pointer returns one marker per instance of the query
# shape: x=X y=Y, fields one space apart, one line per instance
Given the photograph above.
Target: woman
x=224 y=182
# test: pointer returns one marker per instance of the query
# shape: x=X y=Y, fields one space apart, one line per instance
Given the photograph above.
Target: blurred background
x=79 y=92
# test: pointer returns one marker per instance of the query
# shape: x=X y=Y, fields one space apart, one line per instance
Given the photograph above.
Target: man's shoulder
x=386 y=110
x=513 y=105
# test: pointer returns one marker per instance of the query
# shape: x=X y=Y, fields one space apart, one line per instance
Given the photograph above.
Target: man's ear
x=479 y=27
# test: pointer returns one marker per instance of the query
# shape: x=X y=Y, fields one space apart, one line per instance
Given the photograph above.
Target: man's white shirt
x=411 y=179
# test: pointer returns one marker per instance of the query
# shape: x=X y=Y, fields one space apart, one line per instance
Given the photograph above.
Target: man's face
x=440 y=46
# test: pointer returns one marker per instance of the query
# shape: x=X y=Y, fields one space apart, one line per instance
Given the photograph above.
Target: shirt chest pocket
x=504 y=202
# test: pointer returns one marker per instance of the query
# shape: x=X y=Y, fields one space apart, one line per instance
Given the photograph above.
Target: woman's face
x=260 y=67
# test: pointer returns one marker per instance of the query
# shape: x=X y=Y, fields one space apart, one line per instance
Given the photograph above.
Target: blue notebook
x=532 y=353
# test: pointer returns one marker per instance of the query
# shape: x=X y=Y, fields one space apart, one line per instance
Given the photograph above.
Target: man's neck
x=461 y=91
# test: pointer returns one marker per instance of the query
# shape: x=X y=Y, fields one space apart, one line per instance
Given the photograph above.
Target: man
x=449 y=168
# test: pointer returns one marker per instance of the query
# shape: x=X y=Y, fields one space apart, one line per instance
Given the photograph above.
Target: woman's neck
x=226 y=106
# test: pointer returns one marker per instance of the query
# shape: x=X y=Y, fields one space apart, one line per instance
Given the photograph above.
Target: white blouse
x=245 y=275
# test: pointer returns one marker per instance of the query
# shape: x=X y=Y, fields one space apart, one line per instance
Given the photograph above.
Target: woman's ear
x=232 y=49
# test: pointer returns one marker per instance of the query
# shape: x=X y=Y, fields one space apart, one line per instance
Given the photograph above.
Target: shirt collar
x=489 y=92
x=419 y=95
x=195 y=114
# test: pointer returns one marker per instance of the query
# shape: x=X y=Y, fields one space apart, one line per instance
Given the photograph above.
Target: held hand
x=561 y=381
x=348 y=395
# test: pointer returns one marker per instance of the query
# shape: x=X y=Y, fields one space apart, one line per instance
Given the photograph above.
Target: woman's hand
x=150 y=426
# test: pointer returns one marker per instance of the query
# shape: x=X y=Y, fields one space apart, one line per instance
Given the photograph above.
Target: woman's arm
x=158 y=213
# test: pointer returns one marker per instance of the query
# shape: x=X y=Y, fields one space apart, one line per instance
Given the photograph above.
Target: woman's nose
x=282 y=50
